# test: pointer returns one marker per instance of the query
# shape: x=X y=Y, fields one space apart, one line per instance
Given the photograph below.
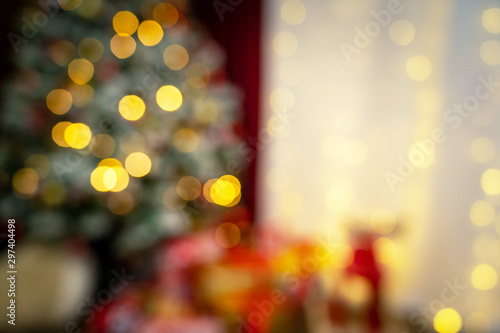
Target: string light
x=80 y=71
x=125 y=23
x=69 y=5
x=490 y=52
x=25 y=181
x=227 y=235
x=418 y=68
x=62 y=52
x=447 y=321
x=285 y=44
x=131 y=107
x=165 y=14
x=169 y=98
x=59 y=101
x=138 y=164
x=484 y=277
x=82 y=94
x=77 y=135
x=150 y=33
x=122 y=46
x=102 y=145
x=175 y=57
x=188 y=188
x=491 y=20
x=402 y=32
x=91 y=49
x=293 y=12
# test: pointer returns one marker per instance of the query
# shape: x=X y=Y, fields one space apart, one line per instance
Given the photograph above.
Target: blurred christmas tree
x=119 y=120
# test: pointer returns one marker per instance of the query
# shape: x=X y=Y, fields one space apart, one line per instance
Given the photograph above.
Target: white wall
x=347 y=123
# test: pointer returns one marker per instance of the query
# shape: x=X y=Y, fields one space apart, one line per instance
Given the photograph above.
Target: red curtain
x=236 y=26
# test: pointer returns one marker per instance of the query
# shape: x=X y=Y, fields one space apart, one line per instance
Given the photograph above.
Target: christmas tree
x=118 y=123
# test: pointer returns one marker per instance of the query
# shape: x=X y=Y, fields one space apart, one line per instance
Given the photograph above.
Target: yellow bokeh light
x=131 y=107
x=421 y=155
x=122 y=46
x=102 y=145
x=447 y=320
x=138 y=164
x=169 y=98
x=225 y=190
x=186 y=140
x=58 y=133
x=122 y=179
x=235 y=201
x=62 y=52
x=491 y=20
x=490 y=181
x=90 y=8
x=91 y=49
x=120 y=203
x=175 y=57
x=293 y=12
x=386 y=251
x=69 y=5
x=165 y=14
x=110 y=162
x=59 y=101
x=150 y=33
x=188 y=188
x=227 y=235
x=354 y=152
x=25 y=181
x=206 y=189
x=80 y=71
x=281 y=99
x=490 y=52
x=402 y=32
x=482 y=150
x=233 y=180
x=383 y=221
x=82 y=94
x=418 y=68
x=285 y=44
x=482 y=213
x=77 y=135
x=477 y=322
x=103 y=178
x=125 y=23
x=484 y=277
